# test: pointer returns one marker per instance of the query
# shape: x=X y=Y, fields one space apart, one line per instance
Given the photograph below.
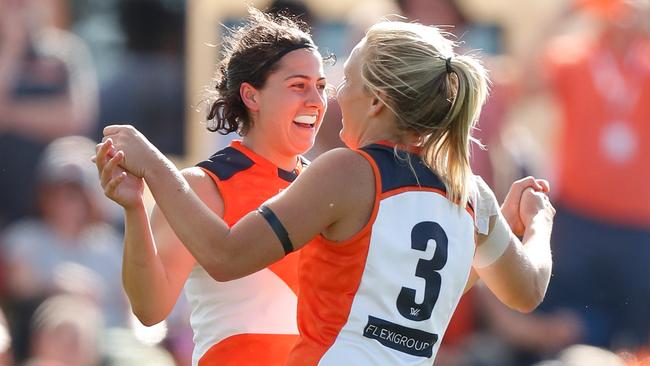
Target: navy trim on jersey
x=290 y=176
x=396 y=172
x=226 y=163
x=286 y=175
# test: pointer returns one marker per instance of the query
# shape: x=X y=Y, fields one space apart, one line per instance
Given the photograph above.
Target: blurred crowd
x=573 y=106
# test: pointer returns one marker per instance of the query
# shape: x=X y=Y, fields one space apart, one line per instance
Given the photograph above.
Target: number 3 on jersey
x=427 y=269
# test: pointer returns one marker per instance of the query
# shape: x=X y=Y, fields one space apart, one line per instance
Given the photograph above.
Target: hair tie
x=448 y=65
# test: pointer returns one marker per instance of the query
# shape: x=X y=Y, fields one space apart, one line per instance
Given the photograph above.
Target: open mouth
x=305 y=121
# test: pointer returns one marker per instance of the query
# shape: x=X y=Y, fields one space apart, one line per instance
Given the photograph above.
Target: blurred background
x=570 y=101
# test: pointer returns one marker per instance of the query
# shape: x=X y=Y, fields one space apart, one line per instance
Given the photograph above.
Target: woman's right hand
x=119 y=185
x=511 y=209
x=139 y=155
x=535 y=204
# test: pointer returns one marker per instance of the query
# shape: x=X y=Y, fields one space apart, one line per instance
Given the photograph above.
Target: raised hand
x=511 y=205
x=535 y=205
x=138 y=154
x=120 y=186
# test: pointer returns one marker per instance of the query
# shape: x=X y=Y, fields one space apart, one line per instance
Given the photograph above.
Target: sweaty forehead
x=305 y=62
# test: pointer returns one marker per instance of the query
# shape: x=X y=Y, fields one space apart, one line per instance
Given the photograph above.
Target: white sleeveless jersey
x=257 y=304
x=386 y=296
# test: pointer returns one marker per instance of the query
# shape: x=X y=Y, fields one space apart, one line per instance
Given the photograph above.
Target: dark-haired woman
x=270 y=88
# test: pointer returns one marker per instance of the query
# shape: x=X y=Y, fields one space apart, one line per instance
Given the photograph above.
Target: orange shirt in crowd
x=604 y=103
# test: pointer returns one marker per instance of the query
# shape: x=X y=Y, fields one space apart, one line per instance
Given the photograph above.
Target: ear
x=376 y=105
x=250 y=96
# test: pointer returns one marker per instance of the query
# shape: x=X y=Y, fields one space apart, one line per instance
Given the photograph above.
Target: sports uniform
x=252 y=320
x=386 y=295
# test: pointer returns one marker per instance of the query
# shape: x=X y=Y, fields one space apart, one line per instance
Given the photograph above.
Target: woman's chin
x=301 y=147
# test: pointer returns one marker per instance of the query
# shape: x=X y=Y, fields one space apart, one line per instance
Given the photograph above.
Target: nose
x=316 y=98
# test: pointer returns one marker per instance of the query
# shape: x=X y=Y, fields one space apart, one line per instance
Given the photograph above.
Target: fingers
x=539 y=197
x=533 y=204
x=532 y=199
x=114 y=129
x=546 y=187
x=110 y=130
x=111 y=174
x=530 y=191
x=539 y=185
x=528 y=182
x=111 y=168
x=111 y=186
x=518 y=188
x=538 y=194
x=102 y=154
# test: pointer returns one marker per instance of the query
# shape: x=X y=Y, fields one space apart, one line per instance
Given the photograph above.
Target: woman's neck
x=386 y=130
x=282 y=160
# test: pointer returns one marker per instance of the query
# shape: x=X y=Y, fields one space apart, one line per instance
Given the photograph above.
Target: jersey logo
x=400 y=338
x=415 y=312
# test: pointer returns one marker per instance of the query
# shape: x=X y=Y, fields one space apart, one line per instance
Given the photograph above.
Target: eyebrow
x=300 y=76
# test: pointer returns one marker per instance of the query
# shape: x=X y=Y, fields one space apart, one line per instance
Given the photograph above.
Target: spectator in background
x=47 y=90
x=148 y=90
x=5 y=342
x=442 y=13
x=582 y=355
x=66 y=331
x=67 y=247
x=601 y=238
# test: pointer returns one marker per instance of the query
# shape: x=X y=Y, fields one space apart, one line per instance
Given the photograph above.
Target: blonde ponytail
x=431 y=92
x=447 y=148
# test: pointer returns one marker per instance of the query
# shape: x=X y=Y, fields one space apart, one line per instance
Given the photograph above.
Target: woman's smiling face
x=293 y=101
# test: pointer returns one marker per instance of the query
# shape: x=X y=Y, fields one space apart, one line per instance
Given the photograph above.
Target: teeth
x=306 y=119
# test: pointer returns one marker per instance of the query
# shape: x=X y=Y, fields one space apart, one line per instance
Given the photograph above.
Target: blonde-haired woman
x=395 y=235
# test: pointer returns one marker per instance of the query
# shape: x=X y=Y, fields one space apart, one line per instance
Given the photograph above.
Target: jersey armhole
x=375 y=208
x=220 y=189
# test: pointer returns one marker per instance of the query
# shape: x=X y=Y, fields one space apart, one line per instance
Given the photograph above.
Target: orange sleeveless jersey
x=252 y=320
